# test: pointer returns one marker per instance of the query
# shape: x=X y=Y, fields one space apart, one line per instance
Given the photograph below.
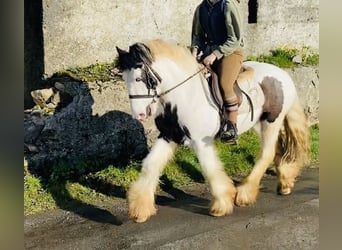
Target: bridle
x=155 y=94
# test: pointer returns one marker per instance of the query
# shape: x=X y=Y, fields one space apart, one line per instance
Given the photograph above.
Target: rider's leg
x=228 y=69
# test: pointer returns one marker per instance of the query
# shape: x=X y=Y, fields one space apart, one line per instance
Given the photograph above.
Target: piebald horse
x=165 y=81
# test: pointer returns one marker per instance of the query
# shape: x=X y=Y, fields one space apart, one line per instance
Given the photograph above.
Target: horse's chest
x=168 y=124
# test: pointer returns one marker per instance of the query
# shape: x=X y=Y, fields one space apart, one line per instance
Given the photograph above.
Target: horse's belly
x=244 y=121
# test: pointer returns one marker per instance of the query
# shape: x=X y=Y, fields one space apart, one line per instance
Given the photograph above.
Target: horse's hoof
x=142 y=215
x=218 y=211
x=140 y=204
x=284 y=190
x=243 y=203
x=246 y=195
x=140 y=219
x=222 y=207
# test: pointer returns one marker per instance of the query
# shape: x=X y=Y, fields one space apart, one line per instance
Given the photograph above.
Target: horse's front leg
x=221 y=186
x=141 y=193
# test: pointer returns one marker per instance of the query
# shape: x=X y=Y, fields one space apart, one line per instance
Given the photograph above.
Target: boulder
x=87 y=129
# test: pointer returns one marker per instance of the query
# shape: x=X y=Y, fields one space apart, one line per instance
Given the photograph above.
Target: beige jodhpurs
x=228 y=68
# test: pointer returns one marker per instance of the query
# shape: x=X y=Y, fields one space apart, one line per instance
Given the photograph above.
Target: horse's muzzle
x=141 y=117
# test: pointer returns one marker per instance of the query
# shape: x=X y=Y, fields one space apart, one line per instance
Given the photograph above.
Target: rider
x=217 y=33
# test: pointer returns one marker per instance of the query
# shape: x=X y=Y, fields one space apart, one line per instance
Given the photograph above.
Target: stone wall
x=293 y=23
x=66 y=33
x=83 y=32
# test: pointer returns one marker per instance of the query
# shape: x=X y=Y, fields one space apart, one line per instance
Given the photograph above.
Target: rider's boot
x=229 y=132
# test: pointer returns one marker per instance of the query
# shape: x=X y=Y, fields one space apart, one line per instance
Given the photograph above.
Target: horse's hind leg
x=247 y=192
x=141 y=194
x=292 y=148
x=221 y=186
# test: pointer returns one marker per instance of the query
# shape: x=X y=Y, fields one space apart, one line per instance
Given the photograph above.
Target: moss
x=95 y=72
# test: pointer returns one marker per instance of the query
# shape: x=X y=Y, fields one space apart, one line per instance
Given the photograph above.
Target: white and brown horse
x=164 y=81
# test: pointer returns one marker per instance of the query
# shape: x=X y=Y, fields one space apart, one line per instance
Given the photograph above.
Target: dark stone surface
x=73 y=134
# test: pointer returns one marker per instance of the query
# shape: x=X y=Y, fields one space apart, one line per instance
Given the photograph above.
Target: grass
x=314 y=136
x=64 y=188
x=36 y=198
x=283 y=57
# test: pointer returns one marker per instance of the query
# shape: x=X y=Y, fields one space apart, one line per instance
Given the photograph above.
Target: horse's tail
x=293 y=146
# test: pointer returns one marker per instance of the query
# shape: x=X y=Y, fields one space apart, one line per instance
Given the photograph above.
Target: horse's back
x=265 y=72
x=278 y=88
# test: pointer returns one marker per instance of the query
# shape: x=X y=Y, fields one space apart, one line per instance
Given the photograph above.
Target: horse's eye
x=138 y=79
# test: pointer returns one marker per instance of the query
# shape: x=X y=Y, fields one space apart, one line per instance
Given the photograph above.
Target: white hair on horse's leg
x=141 y=193
x=248 y=191
x=221 y=186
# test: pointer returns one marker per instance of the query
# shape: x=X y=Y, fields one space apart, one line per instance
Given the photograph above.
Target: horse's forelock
x=141 y=53
x=138 y=55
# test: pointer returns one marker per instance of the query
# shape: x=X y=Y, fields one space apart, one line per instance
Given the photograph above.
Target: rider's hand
x=209 y=60
x=194 y=52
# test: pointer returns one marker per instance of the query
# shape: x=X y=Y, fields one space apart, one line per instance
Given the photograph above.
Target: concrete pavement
x=182 y=222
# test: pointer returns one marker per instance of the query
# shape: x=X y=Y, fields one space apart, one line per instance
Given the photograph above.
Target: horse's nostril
x=141 y=116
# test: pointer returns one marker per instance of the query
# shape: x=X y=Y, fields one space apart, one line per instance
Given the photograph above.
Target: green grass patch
x=239 y=159
x=283 y=57
x=117 y=176
x=71 y=185
x=314 y=137
x=36 y=198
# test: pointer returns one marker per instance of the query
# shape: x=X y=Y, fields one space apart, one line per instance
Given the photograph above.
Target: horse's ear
x=121 y=51
x=125 y=59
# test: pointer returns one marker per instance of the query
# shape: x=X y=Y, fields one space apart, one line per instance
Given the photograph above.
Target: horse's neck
x=179 y=83
x=191 y=95
x=190 y=100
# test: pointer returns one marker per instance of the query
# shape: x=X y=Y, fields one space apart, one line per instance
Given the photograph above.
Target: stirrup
x=229 y=133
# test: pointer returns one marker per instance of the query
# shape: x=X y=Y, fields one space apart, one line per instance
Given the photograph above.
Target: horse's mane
x=145 y=53
x=161 y=49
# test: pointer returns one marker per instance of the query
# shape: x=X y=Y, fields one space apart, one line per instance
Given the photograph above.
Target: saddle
x=217 y=92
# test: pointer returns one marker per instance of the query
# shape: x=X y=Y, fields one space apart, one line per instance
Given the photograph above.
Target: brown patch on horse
x=274 y=98
x=161 y=49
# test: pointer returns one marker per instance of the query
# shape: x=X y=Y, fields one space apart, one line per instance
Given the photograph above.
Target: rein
x=166 y=91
